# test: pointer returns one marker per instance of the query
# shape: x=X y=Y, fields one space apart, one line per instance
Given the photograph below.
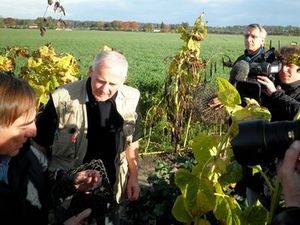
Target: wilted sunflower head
x=290 y=55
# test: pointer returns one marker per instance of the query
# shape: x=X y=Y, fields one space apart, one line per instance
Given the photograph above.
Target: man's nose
x=105 y=87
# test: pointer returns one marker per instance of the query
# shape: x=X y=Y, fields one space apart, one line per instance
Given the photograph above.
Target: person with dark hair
x=96 y=118
x=283 y=100
x=25 y=185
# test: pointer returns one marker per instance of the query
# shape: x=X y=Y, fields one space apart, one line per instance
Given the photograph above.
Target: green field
x=145 y=51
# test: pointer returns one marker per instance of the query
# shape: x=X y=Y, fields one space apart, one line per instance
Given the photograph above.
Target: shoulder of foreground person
x=289 y=216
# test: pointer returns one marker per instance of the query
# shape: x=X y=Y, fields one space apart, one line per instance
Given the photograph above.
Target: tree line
x=116 y=25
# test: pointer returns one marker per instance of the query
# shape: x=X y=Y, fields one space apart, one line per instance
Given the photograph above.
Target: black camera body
x=263 y=65
x=260 y=141
x=264 y=68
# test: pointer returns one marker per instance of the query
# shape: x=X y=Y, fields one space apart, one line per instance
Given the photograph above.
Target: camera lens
x=260 y=141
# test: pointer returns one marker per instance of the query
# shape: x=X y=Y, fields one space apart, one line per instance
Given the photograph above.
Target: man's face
x=288 y=73
x=252 y=40
x=14 y=136
x=106 y=82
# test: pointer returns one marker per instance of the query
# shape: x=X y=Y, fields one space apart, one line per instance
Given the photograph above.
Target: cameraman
x=289 y=174
x=254 y=41
x=283 y=101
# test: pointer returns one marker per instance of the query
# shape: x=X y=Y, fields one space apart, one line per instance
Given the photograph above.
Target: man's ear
x=90 y=71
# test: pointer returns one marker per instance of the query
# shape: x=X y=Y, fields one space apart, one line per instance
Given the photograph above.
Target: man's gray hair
x=262 y=31
x=111 y=59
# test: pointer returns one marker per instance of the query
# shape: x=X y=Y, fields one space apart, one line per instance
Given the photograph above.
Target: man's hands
x=133 y=188
x=269 y=87
x=215 y=103
x=289 y=174
x=87 y=180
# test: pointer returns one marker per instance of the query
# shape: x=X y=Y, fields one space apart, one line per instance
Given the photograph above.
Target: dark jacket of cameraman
x=284 y=104
x=260 y=56
x=289 y=216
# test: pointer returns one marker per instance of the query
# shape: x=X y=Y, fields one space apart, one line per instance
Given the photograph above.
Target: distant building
x=33 y=26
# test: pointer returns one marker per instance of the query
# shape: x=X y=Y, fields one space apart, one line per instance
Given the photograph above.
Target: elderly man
x=95 y=118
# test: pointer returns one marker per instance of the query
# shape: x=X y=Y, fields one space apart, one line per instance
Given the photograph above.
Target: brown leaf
x=62 y=9
x=56 y=6
x=50 y=2
x=42 y=31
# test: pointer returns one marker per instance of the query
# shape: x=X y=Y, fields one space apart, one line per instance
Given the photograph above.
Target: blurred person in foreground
x=96 y=118
x=25 y=184
x=289 y=175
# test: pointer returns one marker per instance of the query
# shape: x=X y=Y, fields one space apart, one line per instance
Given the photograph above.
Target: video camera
x=269 y=70
x=245 y=74
x=260 y=142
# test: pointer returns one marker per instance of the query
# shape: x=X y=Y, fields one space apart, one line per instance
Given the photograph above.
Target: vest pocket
x=64 y=146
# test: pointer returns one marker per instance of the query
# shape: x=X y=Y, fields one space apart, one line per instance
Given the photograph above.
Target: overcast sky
x=217 y=12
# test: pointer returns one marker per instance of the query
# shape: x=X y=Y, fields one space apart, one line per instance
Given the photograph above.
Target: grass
x=145 y=51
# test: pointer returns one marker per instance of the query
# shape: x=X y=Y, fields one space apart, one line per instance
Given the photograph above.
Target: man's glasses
x=251 y=35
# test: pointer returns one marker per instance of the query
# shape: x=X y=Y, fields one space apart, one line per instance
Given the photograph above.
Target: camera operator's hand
x=289 y=174
x=269 y=87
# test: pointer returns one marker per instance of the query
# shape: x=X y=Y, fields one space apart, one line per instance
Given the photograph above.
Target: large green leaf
x=198 y=196
x=202 y=222
x=250 y=112
x=227 y=93
x=233 y=174
x=227 y=210
x=204 y=147
x=179 y=211
x=255 y=215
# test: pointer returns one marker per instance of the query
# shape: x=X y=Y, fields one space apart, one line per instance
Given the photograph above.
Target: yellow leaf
x=105 y=48
x=6 y=64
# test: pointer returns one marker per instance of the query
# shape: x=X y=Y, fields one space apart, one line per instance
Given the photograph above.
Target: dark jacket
x=285 y=103
x=289 y=216
x=24 y=200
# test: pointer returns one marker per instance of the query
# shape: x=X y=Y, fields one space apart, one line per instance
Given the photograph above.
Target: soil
x=146 y=167
x=148 y=161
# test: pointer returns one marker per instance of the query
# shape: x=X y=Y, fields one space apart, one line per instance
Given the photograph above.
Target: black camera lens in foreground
x=260 y=141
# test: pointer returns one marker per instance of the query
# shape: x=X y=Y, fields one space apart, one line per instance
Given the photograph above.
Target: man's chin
x=14 y=153
x=102 y=98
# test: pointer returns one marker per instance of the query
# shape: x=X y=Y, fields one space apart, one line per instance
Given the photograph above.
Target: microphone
x=239 y=71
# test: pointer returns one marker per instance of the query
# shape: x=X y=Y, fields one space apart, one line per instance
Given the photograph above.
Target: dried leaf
x=42 y=31
x=62 y=9
x=56 y=6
